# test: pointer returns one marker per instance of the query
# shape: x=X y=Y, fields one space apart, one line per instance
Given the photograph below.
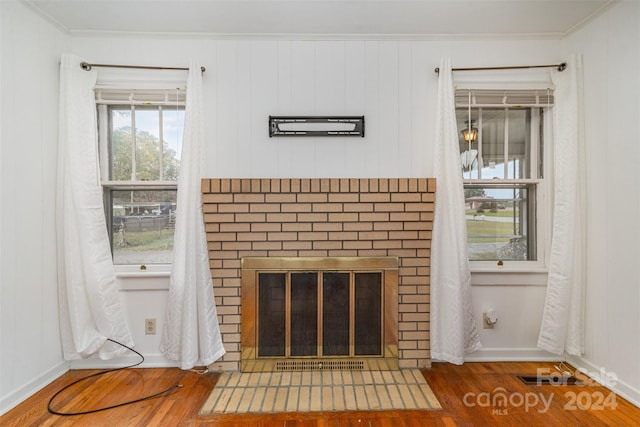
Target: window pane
x=121 y=144
x=148 y=148
x=540 y=128
x=492 y=144
x=142 y=226
x=500 y=225
x=519 y=143
x=172 y=131
x=468 y=149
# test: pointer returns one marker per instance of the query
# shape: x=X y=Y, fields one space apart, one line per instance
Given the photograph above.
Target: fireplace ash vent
x=320 y=365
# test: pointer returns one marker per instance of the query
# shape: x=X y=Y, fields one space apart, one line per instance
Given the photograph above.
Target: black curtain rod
x=86 y=66
x=560 y=67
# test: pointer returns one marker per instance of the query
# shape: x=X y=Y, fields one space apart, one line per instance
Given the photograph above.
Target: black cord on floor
x=53 y=411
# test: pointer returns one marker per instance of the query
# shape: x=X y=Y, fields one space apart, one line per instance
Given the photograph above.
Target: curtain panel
x=453 y=329
x=89 y=305
x=191 y=335
x=562 y=328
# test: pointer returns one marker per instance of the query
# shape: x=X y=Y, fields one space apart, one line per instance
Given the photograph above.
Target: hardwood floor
x=470 y=396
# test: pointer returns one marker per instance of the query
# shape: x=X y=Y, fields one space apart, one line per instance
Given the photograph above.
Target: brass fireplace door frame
x=251 y=266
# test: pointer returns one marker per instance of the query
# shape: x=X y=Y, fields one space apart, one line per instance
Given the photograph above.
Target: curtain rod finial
x=85 y=66
x=562 y=66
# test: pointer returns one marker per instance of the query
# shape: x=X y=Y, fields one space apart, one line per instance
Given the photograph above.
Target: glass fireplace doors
x=293 y=311
x=321 y=313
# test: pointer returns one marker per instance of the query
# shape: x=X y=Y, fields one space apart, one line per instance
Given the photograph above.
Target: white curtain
x=453 y=328
x=191 y=335
x=89 y=305
x=562 y=326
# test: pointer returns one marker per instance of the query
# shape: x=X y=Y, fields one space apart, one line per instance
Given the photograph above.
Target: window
x=501 y=152
x=140 y=144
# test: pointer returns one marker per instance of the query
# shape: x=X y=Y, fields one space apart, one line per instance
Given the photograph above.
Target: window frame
x=540 y=230
x=538 y=166
x=106 y=102
x=107 y=188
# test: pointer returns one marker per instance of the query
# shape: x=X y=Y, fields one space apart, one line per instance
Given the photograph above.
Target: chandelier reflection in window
x=469 y=158
x=470 y=133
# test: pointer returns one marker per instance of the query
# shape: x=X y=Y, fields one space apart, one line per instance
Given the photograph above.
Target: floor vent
x=315 y=365
x=549 y=380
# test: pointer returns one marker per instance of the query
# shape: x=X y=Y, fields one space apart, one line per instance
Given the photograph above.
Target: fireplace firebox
x=319 y=313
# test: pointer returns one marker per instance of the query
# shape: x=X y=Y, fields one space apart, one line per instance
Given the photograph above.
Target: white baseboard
x=595 y=372
x=16 y=397
x=511 y=355
x=150 y=361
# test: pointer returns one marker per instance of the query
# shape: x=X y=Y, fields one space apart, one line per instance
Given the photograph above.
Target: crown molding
x=44 y=15
x=313 y=37
x=590 y=18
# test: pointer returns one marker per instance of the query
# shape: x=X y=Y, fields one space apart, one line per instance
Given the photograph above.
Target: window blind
x=504 y=98
x=141 y=96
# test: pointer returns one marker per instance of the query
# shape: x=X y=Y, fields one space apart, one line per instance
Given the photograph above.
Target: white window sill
x=135 y=278
x=508 y=275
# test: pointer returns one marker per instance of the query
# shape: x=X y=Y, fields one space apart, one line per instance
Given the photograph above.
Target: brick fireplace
x=322 y=218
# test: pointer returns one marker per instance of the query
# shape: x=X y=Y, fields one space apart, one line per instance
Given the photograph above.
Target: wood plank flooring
x=475 y=394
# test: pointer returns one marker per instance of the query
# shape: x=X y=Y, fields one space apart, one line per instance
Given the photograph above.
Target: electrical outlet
x=486 y=323
x=489 y=319
x=150 y=326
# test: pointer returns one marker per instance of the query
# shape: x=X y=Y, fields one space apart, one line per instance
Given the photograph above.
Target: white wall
x=30 y=352
x=391 y=82
x=611 y=52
